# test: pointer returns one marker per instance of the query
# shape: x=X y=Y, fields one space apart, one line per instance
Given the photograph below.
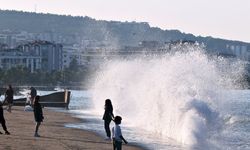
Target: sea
x=201 y=127
x=185 y=100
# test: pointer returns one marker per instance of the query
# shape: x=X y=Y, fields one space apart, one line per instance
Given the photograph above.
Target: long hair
x=108 y=105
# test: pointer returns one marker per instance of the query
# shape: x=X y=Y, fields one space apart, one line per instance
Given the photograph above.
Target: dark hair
x=108 y=104
x=118 y=119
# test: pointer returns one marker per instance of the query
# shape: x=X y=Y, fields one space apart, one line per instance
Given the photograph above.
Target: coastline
x=54 y=135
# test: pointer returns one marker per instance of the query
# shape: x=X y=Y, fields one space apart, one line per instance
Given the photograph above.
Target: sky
x=227 y=19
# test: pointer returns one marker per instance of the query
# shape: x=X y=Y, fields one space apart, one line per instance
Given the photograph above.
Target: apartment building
x=36 y=55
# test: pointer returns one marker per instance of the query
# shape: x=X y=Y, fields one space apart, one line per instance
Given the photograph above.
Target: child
x=2 y=120
x=117 y=134
x=38 y=114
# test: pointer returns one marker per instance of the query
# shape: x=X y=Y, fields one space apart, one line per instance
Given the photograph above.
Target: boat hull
x=57 y=99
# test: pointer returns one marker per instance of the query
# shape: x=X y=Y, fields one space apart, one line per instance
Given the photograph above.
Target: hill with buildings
x=36 y=45
x=88 y=31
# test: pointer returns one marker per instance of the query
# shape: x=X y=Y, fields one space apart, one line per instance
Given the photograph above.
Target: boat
x=56 y=99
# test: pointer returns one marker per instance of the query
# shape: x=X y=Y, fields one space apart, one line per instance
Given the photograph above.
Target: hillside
x=117 y=33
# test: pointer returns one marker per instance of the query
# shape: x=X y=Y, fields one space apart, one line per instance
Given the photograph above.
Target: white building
x=86 y=56
x=36 y=55
x=12 y=58
x=71 y=52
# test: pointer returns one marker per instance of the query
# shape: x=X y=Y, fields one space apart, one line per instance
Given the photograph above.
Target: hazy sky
x=229 y=19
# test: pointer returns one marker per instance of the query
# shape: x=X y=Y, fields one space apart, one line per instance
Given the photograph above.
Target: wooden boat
x=57 y=99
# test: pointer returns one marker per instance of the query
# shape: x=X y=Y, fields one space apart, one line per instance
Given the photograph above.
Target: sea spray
x=174 y=95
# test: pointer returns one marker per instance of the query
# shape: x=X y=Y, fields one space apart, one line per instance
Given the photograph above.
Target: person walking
x=107 y=117
x=9 y=97
x=117 y=134
x=38 y=114
x=2 y=120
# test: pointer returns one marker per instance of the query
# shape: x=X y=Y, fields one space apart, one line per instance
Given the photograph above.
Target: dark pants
x=2 y=121
x=106 y=126
x=117 y=145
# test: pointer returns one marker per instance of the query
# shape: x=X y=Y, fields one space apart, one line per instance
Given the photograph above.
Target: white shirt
x=116 y=133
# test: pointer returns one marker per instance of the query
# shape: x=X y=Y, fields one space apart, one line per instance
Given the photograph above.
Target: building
x=10 y=58
x=240 y=51
x=50 y=53
x=71 y=52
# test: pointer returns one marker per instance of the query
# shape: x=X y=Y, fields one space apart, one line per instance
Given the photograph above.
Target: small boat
x=56 y=99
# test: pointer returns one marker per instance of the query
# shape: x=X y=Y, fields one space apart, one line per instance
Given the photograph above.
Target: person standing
x=107 y=117
x=38 y=114
x=9 y=97
x=117 y=134
x=2 y=120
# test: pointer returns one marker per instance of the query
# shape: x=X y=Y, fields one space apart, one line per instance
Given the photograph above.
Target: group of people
x=34 y=102
x=116 y=135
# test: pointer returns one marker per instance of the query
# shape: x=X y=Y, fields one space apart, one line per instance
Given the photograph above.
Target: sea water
x=181 y=100
x=230 y=132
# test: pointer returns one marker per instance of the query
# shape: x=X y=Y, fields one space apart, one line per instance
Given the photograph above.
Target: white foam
x=173 y=95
